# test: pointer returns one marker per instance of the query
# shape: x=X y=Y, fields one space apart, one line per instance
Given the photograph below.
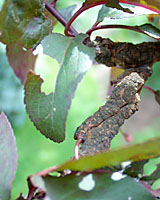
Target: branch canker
x=99 y=129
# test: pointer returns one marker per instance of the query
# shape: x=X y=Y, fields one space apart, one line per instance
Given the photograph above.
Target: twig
x=60 y=18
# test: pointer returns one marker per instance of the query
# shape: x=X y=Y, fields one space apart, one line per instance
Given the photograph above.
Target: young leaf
x=49 y=112
x=91 y=186
x=55 y=45
x=150 y=30
x=8 y=157
x=113 y=13
x=146 y=150
x=26 y=20
x=20 y=60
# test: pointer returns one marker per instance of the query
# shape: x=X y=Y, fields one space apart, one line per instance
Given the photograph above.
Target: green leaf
x=8 y=157
x=20 y=60
x=55 y=45
x=23 y=22
x=68 y=12
x=146 y=150
x=135 y=169
x=113 y=13
x=150 y=30
x=154 y=176
x=110 y=3
x=91 y=186
x=49 y=112
x=115 y=4
x=152 y=5
x=157 y=96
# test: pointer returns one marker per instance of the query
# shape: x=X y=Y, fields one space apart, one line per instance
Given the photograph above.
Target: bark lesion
x=125 y=55
x=97 y=131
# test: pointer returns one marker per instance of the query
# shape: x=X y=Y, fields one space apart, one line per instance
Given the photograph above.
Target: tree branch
x=99 y=129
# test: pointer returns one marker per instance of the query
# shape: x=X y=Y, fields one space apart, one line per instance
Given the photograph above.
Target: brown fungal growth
x=99 y=129
x=125 y=55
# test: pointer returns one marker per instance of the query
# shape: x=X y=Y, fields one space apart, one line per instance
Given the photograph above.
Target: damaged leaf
x=21 y=60
x=49 y=112
x=26 y=20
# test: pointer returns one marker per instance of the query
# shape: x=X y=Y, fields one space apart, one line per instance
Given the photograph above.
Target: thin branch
x=60 y=18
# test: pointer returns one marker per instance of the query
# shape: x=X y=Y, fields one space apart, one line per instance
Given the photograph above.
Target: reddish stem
x=53 y=3
x=76 y=148
x=128 y=138
x=149 y=89
x=82 y=9
x=59 y=17
x=133 y=28
x=31 y=193
x=93 y=4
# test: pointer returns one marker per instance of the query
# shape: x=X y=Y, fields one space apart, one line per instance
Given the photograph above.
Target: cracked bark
x=125 y=55
x=98 y=130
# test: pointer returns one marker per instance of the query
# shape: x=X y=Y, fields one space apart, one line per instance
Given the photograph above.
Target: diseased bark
x=96 y=132
x=125 y=55
x=99 y=129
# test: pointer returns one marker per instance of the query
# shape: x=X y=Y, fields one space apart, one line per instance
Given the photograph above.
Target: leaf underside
x=8 y=157
x=20 y=60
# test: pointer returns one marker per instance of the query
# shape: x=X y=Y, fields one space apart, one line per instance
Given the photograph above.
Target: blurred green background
x=35 y=152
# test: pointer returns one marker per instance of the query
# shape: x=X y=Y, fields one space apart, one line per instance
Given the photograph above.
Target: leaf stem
x=149 y=89
x=132 y=28
x=53 y=3
x=76 y=148
x=82 y=9
x=60 y=18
